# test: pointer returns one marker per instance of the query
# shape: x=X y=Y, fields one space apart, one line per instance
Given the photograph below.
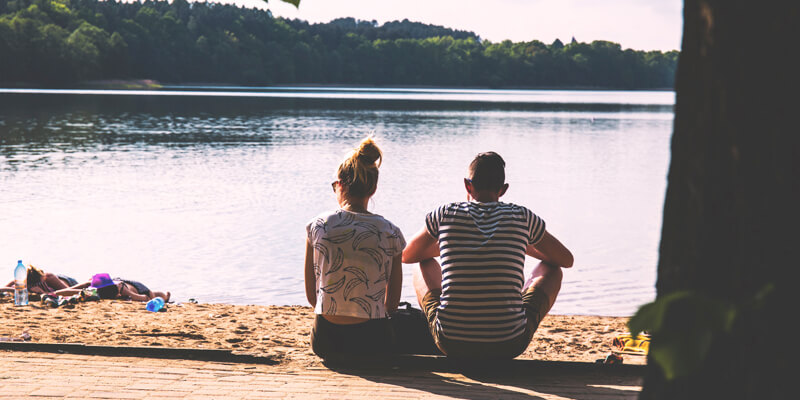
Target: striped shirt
x=482 y=250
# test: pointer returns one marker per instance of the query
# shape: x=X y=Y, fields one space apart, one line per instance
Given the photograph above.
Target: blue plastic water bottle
x=155 y=304
x=20 y=285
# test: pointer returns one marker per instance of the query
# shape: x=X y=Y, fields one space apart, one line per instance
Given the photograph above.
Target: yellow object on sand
x=626 y=344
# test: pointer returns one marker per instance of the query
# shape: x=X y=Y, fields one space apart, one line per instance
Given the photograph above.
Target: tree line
x=62 y=42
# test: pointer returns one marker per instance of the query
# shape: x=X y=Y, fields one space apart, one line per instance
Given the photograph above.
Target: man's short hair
x=487 y=171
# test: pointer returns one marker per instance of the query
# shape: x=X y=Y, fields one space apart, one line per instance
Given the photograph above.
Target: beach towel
x=627 y=344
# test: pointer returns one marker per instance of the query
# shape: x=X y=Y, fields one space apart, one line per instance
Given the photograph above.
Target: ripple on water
x=208 y=199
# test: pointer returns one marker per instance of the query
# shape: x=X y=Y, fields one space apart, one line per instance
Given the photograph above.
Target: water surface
x=206 y=191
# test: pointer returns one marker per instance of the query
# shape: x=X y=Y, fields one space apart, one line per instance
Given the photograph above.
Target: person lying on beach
x=476 y=304
x=108 y=288
x=42 y=282
x=353 y=269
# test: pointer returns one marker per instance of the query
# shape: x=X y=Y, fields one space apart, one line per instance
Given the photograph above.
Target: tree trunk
x=730 y=219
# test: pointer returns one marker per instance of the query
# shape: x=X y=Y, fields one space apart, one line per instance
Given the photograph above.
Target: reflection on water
x=206 y=194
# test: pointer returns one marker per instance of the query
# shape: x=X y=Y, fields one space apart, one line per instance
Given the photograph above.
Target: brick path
x=27 y=375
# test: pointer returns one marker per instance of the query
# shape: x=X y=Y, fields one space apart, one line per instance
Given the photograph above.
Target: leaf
x=338 y=260
x=384 y=277
x=647 y=318
x=358 y=272
x=332 y=307
x=319 y=223
x=388 y=252
x=346 y=220
x=395 y=234
x=341 y=238
x=333 y=287
x=322 y=249
x=369 y=227
x=683 y=326
x=363 y=304
x=360 y=238
x=375 y=254
x=352 y=284
x=378 y=296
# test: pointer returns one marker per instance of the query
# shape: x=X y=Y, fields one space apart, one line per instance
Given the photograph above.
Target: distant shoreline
x=133 y=84
x=150 y=84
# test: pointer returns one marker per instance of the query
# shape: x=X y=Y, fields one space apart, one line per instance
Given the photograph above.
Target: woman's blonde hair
x=35 y=275
x=358 y=173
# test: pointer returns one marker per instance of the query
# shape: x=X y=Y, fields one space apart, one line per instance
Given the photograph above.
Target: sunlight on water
x=207 y=194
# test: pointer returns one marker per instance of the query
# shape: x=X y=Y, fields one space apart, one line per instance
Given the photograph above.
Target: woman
x=353 y=273
x=42 y=282
x=108 y=288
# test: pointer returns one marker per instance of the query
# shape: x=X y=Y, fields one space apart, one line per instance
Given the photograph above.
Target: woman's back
x=353 y=262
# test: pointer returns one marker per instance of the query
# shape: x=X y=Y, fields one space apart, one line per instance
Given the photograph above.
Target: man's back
x=482 y=248
x=478 y=293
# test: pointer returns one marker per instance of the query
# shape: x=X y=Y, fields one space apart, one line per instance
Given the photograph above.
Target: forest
x=57 y=43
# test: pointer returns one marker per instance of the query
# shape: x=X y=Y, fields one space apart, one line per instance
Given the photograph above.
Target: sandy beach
x=278 y=332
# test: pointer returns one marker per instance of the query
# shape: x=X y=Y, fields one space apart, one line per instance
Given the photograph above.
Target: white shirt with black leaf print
x=353 y=261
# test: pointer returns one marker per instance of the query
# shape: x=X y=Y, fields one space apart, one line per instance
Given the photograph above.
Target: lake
x=206 y=191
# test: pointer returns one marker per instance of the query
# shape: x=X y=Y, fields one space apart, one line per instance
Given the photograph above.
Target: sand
x=278 y=332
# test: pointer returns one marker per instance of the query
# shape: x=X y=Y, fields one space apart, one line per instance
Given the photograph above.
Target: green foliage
x=685 y=325
x=63 y=42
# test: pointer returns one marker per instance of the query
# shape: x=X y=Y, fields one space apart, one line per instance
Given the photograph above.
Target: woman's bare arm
x=310 y=276
x=395 y=285
x=72 y=290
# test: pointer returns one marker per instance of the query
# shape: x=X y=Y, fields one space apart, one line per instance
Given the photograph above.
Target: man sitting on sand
x=476 y=303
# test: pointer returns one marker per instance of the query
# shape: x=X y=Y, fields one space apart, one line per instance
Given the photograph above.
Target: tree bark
x=730 y=214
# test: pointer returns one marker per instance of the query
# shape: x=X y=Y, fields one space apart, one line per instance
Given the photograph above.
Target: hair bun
x=358 y=173
x=369 y=152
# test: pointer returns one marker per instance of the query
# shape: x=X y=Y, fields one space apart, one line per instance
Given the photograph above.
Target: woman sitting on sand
x=43 y=282
x=108 y=288
x=353 y=273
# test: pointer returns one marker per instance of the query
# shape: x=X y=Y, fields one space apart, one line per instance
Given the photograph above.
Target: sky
x=635 y=24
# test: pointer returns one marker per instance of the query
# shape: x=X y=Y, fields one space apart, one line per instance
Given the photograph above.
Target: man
x=476 y=303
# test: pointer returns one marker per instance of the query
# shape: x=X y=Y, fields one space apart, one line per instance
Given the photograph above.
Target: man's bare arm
x=551 y=251
x=421 y=247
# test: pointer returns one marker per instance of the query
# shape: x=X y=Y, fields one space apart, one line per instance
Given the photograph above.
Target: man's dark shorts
x=536 y=305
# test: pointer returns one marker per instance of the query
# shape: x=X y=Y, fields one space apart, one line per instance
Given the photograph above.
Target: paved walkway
x=27 y=375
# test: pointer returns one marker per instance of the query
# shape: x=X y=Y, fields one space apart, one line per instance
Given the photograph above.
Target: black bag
x=411 y=332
